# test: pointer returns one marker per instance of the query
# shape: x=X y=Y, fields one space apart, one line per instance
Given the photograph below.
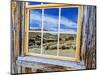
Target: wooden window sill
x=27 y=61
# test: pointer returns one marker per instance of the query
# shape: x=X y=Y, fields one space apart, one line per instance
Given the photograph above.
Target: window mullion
x=58 y=30
x=42 y=31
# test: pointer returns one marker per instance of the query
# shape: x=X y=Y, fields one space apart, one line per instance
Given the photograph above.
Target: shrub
x=63 y=47
x=47 y=47
x=53 y=47
x=67 y=47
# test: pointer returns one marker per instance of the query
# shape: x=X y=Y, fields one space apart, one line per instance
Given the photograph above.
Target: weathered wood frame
x=80 y=11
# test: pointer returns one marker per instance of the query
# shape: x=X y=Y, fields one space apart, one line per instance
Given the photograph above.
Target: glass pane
x=37 y=3
x=51 y=19
x=69 y=18
x=35 y=19
x=67 y=45
x=34 y=42
x=50 y=43
x=34 y=3
x=46 y=2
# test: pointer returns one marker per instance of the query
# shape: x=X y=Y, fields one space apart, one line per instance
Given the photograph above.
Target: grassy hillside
x=67 y=43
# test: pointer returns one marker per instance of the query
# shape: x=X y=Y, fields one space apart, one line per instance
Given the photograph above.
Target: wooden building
x=86 y=53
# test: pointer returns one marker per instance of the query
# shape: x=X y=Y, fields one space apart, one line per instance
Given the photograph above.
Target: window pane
x=34 y=42
x=51 y=19
x=37 y=3
x=35 y=19
x=46 y=2
x=67 y=45
x=69 y=18
x=50 y=43
x=34 y=3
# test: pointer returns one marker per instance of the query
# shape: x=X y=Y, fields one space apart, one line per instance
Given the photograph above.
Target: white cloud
x=34 y=27
x=68 y=22
x=68 y=31
x=51 y=22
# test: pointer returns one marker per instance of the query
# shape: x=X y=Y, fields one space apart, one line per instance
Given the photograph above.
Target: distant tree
x=38 y=43
x=47 y=47
x=60 y=39
x=66 y=39
x=71 y=38
x=63 y=47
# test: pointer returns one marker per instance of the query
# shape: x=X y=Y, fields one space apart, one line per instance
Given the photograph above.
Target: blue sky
x=36 y=3
x=68 y=19
x=51 y=19
x=35 y=19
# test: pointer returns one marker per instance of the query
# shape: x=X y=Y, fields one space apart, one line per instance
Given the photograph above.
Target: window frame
x=43 y=6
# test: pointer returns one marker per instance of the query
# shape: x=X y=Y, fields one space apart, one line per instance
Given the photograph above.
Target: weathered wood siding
x=16 y=34
x=12 y=36
x=87 y=43
x=88 y=37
